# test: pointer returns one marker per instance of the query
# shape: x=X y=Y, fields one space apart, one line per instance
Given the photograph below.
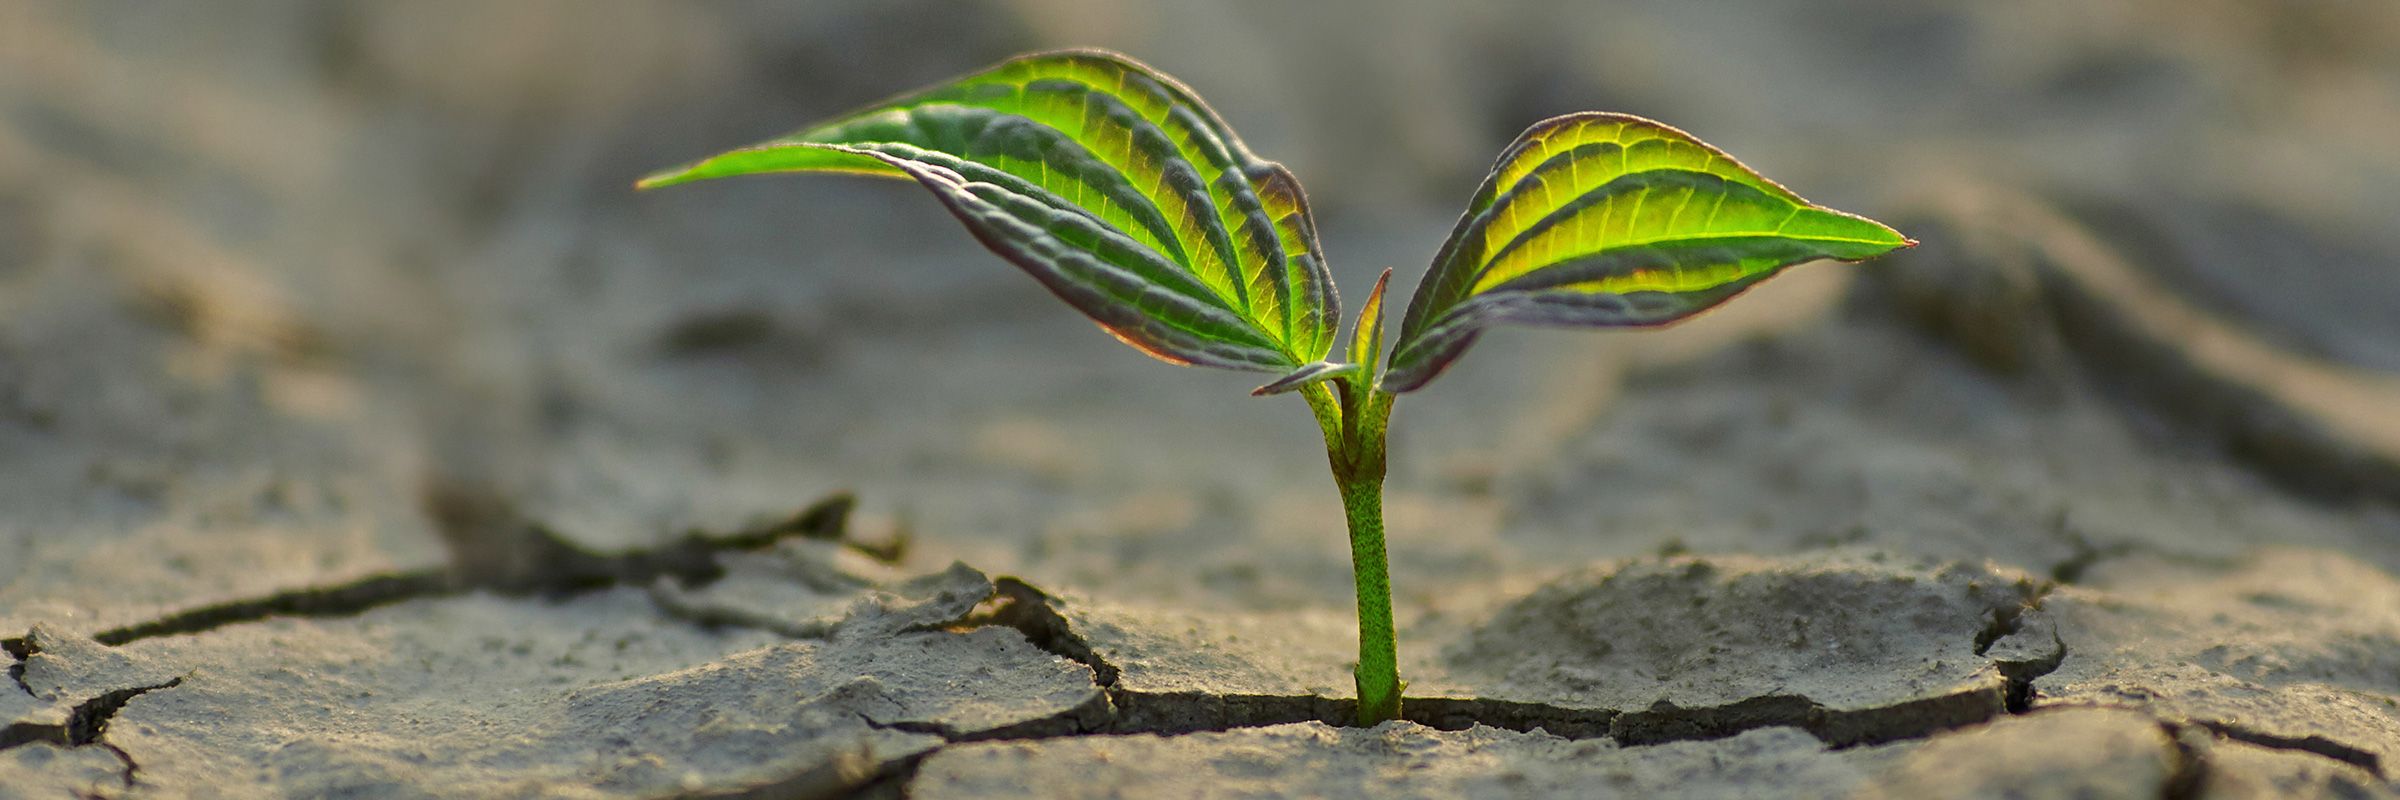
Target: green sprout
x=1113 y=185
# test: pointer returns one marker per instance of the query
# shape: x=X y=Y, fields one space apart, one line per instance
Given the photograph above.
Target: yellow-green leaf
x=1366 y=335
x=1113 y=185
x=1599 y=220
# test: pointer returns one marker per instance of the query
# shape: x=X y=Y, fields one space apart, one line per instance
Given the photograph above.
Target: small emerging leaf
x=1110 y=183
x=1366 y=335
x=1599 y=220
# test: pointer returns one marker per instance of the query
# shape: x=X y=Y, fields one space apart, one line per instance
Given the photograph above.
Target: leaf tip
x=1885 y=236
x=1904 y=241
x=662 y=178
x=1366 y=335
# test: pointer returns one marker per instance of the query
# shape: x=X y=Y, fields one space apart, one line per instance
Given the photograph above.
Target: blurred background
x=270 y=273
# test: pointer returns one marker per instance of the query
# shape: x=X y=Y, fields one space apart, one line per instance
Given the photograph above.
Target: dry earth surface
x=362 y=436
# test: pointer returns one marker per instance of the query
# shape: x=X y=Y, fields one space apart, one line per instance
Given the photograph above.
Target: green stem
x=1354 y=425
x=1378 y=673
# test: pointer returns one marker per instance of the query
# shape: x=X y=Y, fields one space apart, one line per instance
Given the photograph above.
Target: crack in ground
x=1033 y=613
x=2020 y=701
x=2193 y=768
x=2191 y=764
x=2192 y=760
x=2317 y=745
x=2187 y=779
x=323 y=601
x=2019 y=674
x=492 y=549
x=19 y=649
x=85 y=726
x=495 y=549
x=1036 y=615
x=90 y=719
x=18 y=734
x=2009 y=620
x=1030 y=611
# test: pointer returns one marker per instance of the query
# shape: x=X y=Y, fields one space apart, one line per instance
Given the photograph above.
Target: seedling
x=1114 y=186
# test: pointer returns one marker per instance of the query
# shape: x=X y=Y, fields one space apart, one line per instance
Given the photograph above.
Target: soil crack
x=1038 y=616
x=19 y=649
x=2318 y=745
x=2008 y=620
x=2020 y=673
x=495 y=549
x=1122 y=711
x=86 y=725
x=321 y=601
x=1031 y=612
x=2189 y=777
x=90 y=720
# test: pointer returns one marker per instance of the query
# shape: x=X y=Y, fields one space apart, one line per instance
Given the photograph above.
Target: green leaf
x=1599 y=220
x=1110 y=183
x=1366 y=335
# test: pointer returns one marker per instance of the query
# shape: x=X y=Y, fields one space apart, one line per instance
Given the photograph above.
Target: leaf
x=1600 y=220
x=1110 y=183
x=1366 y=335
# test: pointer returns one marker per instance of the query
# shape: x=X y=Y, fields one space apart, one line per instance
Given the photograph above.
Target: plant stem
x=1354 y=426
x=1378 y=658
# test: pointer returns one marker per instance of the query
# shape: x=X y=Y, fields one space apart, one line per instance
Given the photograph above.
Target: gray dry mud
x=362 y=436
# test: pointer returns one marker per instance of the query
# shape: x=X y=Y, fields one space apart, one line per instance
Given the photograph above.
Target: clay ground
x=363 y=435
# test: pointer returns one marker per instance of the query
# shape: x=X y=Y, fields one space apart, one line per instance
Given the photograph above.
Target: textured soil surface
x=363 y=435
